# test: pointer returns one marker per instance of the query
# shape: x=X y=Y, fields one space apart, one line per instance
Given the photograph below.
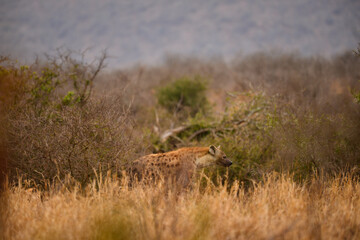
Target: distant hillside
x=136 y=30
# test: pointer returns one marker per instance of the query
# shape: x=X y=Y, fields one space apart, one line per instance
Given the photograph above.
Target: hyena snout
x=227 y=162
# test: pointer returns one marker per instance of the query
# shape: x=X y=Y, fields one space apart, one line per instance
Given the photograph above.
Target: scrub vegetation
x=290 y=124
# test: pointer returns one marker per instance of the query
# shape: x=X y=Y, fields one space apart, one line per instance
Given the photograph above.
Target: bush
x=184 y=95
x=263 y=134
x=52 y=133
x=304 y=121
x=243 y=132
x=357 y=51
x=355 y=93
x=72 y=140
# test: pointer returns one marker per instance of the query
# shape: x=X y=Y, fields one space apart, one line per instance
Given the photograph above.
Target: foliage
x=296 y=118
x=244 y=133
x=50 y=135
x=357 y=97
x=288 y=123
x=262 y=134
x=357 y=51
x=355 y=93
x=184 y=94
x=69 y=99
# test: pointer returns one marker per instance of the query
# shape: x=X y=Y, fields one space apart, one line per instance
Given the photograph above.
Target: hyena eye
x=224 y=156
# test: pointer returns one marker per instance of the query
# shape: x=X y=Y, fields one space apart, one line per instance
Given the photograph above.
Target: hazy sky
x=146 y=30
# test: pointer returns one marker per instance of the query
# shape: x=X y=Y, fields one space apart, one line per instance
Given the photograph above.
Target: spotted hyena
x=179 y=165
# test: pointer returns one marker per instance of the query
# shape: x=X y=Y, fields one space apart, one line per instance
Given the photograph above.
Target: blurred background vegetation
x=268 y=111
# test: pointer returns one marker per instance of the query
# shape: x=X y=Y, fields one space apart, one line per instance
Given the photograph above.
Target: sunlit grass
x=276 y=208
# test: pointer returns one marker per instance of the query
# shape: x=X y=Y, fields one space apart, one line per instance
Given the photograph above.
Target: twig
x=171 y=132
x=199 y=132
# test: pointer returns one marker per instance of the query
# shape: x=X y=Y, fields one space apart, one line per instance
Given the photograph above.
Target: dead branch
x=199 y=132
x=171 y=132
x=174 y=131
x=177 y=138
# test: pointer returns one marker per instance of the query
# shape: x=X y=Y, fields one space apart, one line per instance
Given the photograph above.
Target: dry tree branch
x=199 y=132
x=170 y=132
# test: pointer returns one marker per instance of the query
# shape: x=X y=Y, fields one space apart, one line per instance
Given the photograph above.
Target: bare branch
x=171 y=132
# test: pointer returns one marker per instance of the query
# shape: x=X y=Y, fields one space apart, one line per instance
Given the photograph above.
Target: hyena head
x=219 y=157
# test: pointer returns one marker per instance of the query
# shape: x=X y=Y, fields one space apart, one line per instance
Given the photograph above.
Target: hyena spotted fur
x=179 y=165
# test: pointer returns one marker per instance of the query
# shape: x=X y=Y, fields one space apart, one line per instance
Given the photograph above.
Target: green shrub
x=184 y=95
x=263 y=134
x=243 y=132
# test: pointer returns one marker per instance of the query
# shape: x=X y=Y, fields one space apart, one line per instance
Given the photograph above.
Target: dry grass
x=276 y=208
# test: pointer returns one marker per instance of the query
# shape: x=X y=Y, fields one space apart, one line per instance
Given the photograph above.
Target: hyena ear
x=212 y=150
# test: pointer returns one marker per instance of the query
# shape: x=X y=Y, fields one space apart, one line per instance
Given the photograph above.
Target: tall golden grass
x=275 y=208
